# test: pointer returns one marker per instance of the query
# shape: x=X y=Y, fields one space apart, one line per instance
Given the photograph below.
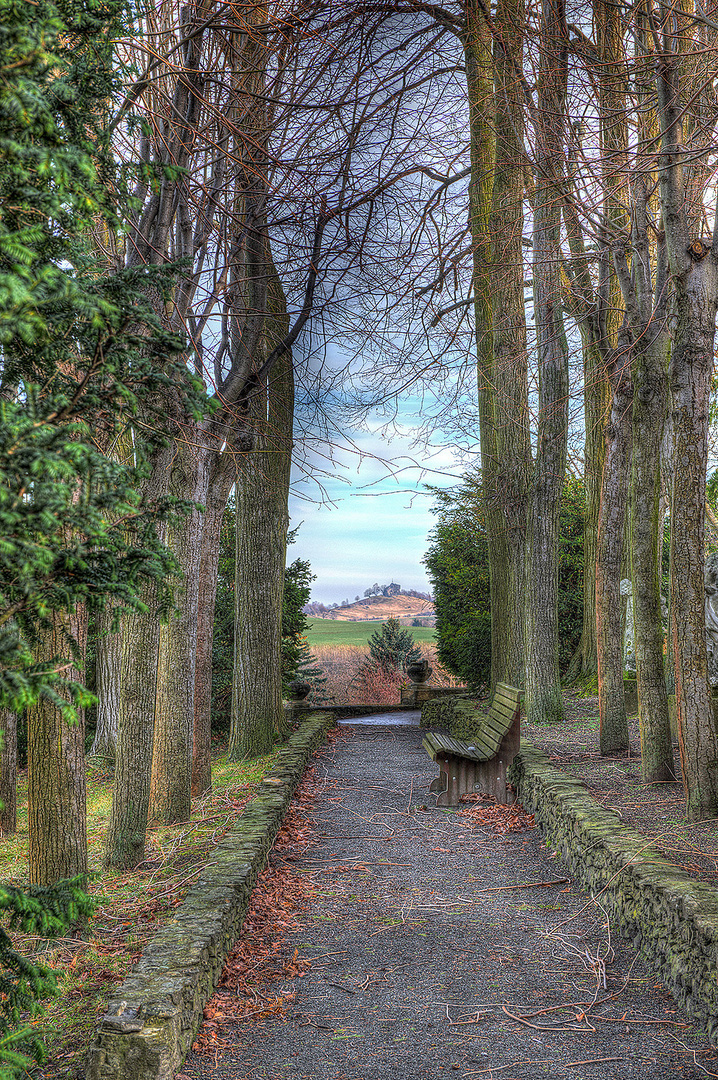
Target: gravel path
x=429 y=939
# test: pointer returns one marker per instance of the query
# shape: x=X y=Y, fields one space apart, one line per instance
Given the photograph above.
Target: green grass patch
x=333 y=632
x=130 y=906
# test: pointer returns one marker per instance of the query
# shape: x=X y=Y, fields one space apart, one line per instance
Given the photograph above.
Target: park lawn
x=334 y=632
x=131 y=906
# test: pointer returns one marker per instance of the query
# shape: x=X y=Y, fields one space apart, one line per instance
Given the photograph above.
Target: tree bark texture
x=613 y=735
x=510 y=475
x=544 y=701
x=478 y=57
x=690 y=378
x=57 y=796
x=262 y=522
x=695 y=281
x=8 y=772
x=108 y=666
x=125 y=841
x=171 y=783
x=596 y=408
x=223 y=476
x=649 y=414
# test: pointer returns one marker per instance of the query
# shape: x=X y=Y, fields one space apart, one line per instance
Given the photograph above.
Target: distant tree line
x=392 y=589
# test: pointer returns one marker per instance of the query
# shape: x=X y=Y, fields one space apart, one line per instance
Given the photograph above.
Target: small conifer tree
x=392 y=648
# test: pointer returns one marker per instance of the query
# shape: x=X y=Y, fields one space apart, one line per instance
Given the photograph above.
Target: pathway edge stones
x=153 y=1017
x=669 y=916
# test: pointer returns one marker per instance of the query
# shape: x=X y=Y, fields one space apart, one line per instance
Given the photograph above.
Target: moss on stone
x=665 y=912
x=179 y=968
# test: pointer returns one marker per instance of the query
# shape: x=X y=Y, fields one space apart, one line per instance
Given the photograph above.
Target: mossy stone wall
x=668 y=915
x=459 y=715
x=153 y=1017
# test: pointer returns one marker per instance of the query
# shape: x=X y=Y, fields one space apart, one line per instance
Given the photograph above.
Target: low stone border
x=669 y=916
x=153 y=1017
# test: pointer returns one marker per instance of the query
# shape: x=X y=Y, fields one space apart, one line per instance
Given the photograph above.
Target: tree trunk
x=8 y=772
x=223 y=474
x=125 y=841
x=479 y=86
x=544 y=701
x=694 y=270
x=690 y=379
x=649 y=412
x=108 y=665
x=57 y=796
x=609 y=550
x=511 y=473
x=262 y=522
x=596 y=401
x=171 y=783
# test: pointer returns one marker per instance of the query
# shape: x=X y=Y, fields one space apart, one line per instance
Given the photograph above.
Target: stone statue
x=629 y=647
x=711 y=587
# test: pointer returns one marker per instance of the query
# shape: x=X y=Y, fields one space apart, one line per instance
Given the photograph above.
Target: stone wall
x=154 y=1015
x=668 y=915
x=460 y=716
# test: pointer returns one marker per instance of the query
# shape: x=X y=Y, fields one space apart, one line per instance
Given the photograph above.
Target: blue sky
x=371 y=521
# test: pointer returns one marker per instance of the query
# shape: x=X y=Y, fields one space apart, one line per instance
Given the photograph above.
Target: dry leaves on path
x=256 y=964
x=501 y=819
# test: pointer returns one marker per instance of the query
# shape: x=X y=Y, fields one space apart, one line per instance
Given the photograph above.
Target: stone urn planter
x=298 y=689
x=419 y=671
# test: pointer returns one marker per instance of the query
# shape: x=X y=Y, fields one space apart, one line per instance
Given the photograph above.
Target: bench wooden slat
x=497 y=725
x=462 y=749
x=476 y=766
x=510 y=698
x=499 y=701
x=500 y=708
x=511 y=692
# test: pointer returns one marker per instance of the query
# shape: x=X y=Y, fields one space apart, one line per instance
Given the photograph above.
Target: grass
x=334 y=632
x=130 y=906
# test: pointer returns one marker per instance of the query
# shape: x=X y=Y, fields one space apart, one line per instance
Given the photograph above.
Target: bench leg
x=441 y=784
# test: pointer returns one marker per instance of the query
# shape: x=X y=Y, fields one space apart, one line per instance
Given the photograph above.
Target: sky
x=370 y=522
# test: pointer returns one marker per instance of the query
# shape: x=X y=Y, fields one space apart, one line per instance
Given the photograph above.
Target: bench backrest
x=506 y=702
x=504 y=709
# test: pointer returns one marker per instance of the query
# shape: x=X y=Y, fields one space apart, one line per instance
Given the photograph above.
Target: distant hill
x=381 y=608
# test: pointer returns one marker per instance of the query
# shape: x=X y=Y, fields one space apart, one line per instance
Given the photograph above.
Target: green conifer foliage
x=77 y=347
x=392 y=649
x=458 y=563
x=23 y=984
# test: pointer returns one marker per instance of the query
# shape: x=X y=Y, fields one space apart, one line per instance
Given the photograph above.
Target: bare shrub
x=340 y=664
x=350 y=683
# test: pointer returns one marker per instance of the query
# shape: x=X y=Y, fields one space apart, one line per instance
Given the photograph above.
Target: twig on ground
x=549 y=1027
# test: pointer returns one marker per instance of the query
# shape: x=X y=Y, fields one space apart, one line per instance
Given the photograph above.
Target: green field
x=333 y=632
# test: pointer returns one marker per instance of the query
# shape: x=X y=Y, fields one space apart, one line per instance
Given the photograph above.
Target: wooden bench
x=481 y=765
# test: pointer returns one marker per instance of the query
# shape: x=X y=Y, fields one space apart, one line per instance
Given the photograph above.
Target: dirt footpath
x=441 y=948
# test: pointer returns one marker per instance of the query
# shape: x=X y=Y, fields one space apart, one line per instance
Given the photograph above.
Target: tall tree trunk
x=108 y=666
x=223 y=475
x=262 y=522
x=690 y=380
x=511 y=472
x=478 y=57
x=544 y=701
x=694 y=270
x=8 y=772
x=649 y=416
x=126 y=834
x=584 y=663
x=609 y=551
x=57 y=797
x=171 y=783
